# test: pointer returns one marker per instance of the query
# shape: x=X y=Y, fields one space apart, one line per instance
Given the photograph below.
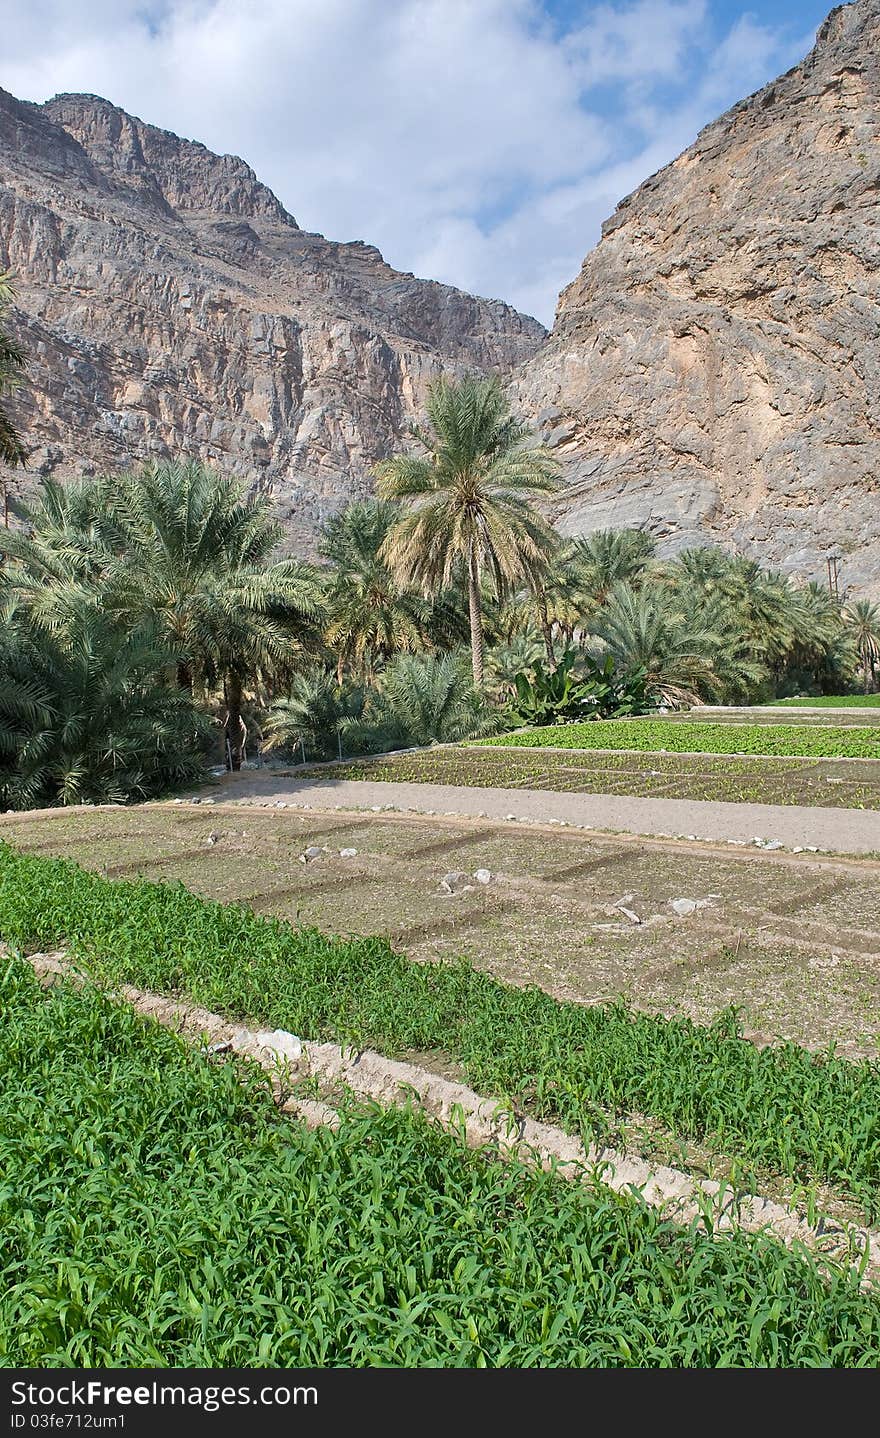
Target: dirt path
x=843 y=831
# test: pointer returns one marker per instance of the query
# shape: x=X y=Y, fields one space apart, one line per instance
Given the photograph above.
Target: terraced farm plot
x=751 y=779
x=832 y=701
x=215 y=1232
x=588 y=1067
x=553 y=913
x=843 y=717
x=695 y=737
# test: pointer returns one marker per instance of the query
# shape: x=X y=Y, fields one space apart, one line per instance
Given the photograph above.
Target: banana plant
x=579 y=687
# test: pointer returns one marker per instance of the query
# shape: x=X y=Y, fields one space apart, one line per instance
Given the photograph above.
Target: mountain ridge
x=712 y=372
x=711 y=375
x=169 y=304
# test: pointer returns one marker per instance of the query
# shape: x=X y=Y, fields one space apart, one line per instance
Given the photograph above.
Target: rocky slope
x=714 y=370
x=170 y=305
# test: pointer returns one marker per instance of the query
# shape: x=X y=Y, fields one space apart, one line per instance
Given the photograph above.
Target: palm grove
x=151 y=621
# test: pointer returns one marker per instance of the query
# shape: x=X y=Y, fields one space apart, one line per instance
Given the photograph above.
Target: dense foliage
x=201 y=1229
x=422 y=699
x=365 y=650
x=695 y=738
x=578 y=689
x=811 y=1117
x=83 y=718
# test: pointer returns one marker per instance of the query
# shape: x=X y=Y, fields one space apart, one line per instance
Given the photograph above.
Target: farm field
x=792 y=939
x=773 y=1109
x=836 y=718
x=201 y=1228
x=833 y=701
x=752 y=779
x=652 y=735
x=550 y=947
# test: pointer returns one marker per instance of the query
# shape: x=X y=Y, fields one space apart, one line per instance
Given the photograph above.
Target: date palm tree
x=86 y=715
x=469 y=500
x=64 y=549
x=433 y=700
x=201 y=558
x=686 y=648
x=314 y=713
x=606 y=557
x=183 y=548
x=863 y=622
x=371 y=615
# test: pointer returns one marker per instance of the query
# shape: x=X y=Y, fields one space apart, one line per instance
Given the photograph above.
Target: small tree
x=433 y=699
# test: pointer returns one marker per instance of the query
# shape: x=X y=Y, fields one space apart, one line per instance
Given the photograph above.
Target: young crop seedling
x=813 y=1118
x=158 y=1211
x=821 y=742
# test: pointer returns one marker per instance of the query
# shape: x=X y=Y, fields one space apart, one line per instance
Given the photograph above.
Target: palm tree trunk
x=546 y=627
x=185 y=676
x=234 y=722
x=476 y=615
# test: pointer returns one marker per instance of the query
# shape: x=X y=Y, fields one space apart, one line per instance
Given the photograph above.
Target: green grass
x=649 y=735
x=157 y=1211
x=833 y=701
x=811 y=1118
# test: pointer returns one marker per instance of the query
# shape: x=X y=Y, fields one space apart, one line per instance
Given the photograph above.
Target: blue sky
x=480 y=142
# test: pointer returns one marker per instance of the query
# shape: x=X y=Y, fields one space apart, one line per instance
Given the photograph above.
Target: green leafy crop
x=706 y=738
x=156 y=1211
x=833 y=701
x=751 y=779
x=811 y=1117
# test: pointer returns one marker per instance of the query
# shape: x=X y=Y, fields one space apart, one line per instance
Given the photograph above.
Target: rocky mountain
x=713 y=373
x=170 y=305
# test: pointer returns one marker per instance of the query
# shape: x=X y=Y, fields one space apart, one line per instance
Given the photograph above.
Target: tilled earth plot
x=738 y=779
x=794 y=940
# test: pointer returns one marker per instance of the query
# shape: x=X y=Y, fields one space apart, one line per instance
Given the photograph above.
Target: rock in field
x=455 y=882
x=278 y=1041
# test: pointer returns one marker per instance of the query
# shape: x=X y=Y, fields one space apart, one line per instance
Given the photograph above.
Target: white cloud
x=639 y=41
x=472 y=140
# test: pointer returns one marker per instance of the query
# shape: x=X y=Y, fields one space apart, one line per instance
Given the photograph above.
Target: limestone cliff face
x=171 y=306
x=714 y=370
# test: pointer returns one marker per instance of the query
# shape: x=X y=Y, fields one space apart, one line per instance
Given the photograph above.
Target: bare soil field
x=793 y=939
x=718 y=778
